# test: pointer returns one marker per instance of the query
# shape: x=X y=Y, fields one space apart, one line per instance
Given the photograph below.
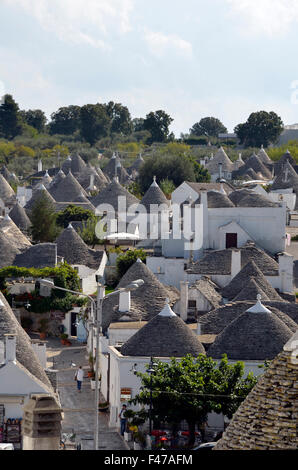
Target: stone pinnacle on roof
x=154 y=195
x=165 y=335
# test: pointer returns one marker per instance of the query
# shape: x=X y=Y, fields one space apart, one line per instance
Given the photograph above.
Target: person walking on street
x=79 y=377
x=122 y=420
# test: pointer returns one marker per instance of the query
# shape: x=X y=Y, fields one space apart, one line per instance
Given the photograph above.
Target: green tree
x=177 y=168
x=43 y=219
x=191 y=387
x=120 y=119
x=35 y=118
x=95 y=122
x=167 y=186
x=209 y=126
x=138 y=124
x=261 y=128
x=125 y=261
x=10 y=118
x=157 y=123
x=65 y=121
x=88 y=232
x=73 y=213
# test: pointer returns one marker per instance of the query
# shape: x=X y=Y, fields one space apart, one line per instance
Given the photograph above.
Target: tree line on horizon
x=93 y=122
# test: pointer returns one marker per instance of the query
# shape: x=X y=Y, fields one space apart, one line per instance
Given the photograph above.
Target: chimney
x=124 y=301
x=39 y=165
x=10 y=347
x=285 y=262
x=235 y=263
x=40 y=350
x=199 y=329
x=183 y=300
x=220 y=170
x=91 y=186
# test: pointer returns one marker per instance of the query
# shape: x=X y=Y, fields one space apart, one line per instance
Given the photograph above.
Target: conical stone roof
x=220 y=157
x=67 y=190
x=267 y=419
x=4 y=172
x=57 y=178
x=39 y=192
x=7 y=194
x=19 y=217
x=247 y=198
x=75 y=251
x=286 y=157
x=77 y=164
x=84 y=178
x=257 y=165
x=110 y=194
x=24 y=352
x=8 y=251
x=249 y=271
x=217 y=199
x=250 y=292
x=255 y=335
x=287 y=178
x=146 y=301
x=263 y=156
x=154 y=195
x=13 y=234
x=166 y=335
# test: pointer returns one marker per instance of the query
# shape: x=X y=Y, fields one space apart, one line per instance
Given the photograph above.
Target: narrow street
x=78 y=407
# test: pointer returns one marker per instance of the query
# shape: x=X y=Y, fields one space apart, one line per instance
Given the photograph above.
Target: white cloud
x=80 y=21
x=160 y=44
x=268 y=17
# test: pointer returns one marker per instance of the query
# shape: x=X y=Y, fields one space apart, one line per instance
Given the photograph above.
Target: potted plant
x=43 y=328
x=63 y=338
x=139 y=440
x=103 y=406
x=91 y=373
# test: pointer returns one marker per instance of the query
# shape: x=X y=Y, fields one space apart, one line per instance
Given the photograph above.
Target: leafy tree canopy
x=43 y=220
x=261 y=128
x=158 y=123
x=191 y=387
x=94 y=122
x=73 y=213
x=120 y=119
x=10 y=118
x=35 y=118
x=65 y=121
x=209 y=126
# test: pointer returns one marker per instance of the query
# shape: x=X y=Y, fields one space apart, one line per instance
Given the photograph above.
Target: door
x=73 y=328
x=231 y=240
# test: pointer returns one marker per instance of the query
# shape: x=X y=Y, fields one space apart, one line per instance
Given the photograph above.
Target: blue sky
x=192 y=58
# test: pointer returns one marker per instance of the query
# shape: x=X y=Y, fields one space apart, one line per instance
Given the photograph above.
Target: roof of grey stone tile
x=263 y=155
x=219 y=261
x=19 y=217
x=254 y=335
x=250 y=270
x=67 y=190
x=247 y=198
x=74 y=250
x=38 y=256
x=154 y=195
x=38 y=193
x=146 y=301
x=258 y=166
x=286 y=178
x=77 y=164
x=217 y=199
x=250 y=292
x=267 y=418
x=165 y=335
x=84 y=178
x=215 y=321
x=220 y=157
x=209 y=290
x=13 y=234
x=110 y=194
x=7 y=194
x=24 y=351
x=8 y=251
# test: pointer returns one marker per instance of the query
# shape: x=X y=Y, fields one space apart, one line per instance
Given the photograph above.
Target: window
x=192 y=304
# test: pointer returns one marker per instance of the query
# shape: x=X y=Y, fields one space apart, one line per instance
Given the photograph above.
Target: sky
x=191 y=58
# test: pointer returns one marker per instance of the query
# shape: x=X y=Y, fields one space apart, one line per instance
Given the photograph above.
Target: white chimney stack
x=199 y=329
x=124 y=301
x=10 y=347
x=183 y=300
x=39 y=165
x=235 y=263
x=40 y=349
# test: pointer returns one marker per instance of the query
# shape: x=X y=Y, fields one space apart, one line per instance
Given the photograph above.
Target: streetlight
x=151 y=371
x=97 y=323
